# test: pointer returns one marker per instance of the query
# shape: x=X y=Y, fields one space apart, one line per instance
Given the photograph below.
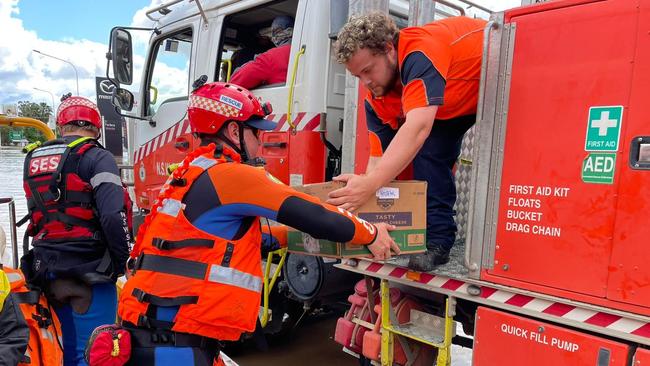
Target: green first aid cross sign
x=604 y=128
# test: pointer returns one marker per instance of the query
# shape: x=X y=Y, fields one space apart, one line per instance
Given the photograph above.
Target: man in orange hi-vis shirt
x=423 y=89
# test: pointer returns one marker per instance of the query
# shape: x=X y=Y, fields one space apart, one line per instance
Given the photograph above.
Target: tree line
x=40 y=111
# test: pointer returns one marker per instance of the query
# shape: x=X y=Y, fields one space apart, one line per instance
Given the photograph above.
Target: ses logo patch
x=45 y=164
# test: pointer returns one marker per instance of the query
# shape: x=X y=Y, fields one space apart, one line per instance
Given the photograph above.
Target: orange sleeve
x=261 y=195
x=425 y=57
x=375 y=145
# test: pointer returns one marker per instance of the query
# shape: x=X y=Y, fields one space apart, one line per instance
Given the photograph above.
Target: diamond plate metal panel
x=463 y=179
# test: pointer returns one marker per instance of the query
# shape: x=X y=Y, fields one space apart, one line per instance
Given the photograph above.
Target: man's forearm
x=372 y=163
x=404 y=146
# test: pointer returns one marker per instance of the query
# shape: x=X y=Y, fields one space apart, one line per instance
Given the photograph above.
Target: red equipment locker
x=629 y=277
x=294 y=158
x=642 y=357
x=504 y=339
x=569 y=202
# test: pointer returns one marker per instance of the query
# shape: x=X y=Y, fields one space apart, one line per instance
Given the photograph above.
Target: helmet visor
x=261 y=124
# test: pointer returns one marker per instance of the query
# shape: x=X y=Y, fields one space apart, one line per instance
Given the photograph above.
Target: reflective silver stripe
x=49 y=150
x=14 y=277
x=45 y=334
x=233 y=277
x=171 y=207
x=203 y=162
x=105 y=177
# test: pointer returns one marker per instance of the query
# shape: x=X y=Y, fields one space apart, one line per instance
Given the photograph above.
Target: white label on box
x=311 y=245
x=295 y=180
x=387 y=193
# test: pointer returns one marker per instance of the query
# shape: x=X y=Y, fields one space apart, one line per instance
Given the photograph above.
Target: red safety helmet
x=212 y=105
x=78 y=109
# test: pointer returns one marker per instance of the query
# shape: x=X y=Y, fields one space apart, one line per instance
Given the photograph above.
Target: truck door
x=165 y=96
x=629 y=270
x=562 y=160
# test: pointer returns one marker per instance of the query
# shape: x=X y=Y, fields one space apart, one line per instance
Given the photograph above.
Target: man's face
x=378 y=72
x=251 y=138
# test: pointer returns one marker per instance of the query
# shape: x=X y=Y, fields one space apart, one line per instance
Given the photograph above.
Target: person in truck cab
x=271 y=66
x=196 y=275
x=423 y=87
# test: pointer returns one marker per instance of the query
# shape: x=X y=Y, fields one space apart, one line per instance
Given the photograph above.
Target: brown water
x=11 y=185
x=311 y=344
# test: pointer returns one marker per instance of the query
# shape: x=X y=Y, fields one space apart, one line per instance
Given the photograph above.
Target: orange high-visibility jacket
x=45 y=343
x=215 y=282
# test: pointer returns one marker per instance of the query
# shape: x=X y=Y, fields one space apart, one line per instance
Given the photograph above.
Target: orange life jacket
x=45 y=344
x=215 y=282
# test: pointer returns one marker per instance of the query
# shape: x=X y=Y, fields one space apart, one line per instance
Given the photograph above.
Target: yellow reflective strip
x=5 y=287
x=79 y=140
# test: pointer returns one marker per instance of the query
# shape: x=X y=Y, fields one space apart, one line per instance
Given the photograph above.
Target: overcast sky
x=77 y=31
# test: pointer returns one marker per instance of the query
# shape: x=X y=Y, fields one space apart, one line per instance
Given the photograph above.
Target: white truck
x=562 y=122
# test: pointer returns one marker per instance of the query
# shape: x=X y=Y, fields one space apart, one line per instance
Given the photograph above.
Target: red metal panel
x=362 y=146
x=545 y=6
x=307 y=157
x=275 y=150
x=301 y=154
x=553 y=229
x=505 y=339
x=629 y=271
x=641 y=357
x=150 y=172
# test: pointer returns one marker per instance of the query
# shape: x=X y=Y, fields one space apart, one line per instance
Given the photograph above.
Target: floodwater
x=11 y=185
x=310 y=344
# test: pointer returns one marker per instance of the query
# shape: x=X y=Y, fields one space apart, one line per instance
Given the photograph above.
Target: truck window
x=247 y=35
x=168 y=75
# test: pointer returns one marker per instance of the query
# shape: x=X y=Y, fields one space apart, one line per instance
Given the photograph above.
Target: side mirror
x=122 y=99
x=122 y=56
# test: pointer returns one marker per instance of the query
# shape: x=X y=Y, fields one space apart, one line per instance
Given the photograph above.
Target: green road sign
x=599 y=168
x=604 y=128
x=15 y=135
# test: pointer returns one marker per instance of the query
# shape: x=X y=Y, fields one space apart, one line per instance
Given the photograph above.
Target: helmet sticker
x=230 y=102
x=213 y=106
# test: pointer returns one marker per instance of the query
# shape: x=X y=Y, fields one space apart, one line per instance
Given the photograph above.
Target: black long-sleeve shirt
x=98 y=167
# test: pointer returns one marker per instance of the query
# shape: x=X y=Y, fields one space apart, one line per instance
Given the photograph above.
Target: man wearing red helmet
x=79 y=214
x=197 y=273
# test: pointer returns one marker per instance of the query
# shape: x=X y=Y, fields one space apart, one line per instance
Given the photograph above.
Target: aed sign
x=604 y=128
x=599 y=168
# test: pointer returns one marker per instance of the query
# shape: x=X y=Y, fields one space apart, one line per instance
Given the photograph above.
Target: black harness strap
x=172 y=266
x=163 y=301
x=29 y=297
x=163 y=244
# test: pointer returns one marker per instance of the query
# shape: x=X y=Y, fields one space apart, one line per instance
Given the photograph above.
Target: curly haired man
x=423 y=87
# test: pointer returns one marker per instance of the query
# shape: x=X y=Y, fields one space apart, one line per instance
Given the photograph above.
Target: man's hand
x=383 y=244
x=357 y=191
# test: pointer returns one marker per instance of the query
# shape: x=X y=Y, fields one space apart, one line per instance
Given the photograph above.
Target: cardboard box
x=400 y=203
